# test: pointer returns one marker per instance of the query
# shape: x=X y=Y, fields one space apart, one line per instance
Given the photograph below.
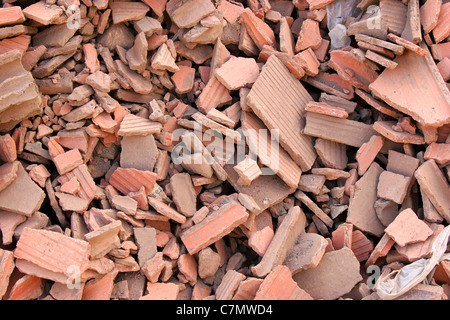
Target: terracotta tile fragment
x=20 y=188
x=338 y=268
x=306 y=252
x=183 y=79
x=129 y=11
x=342 y=236
x=442 y=29
x=367 y=153
x=248 y=72
x=131 y=180
x=385 y=128
x=99 y=288
x=352 y=70
x=261 y=144
x=344 y=131
x=259 y=31
x=44 y=253
x=309 y=36
x=11 y=15
x=28 y=287
x=444 y=68
x=161 y=291
x=247 y=289
x=323 y=108
x=284 y=238
x=134 y=125
x=408 y=228
x=68 y=161
x=165 y=210
x=360 y=214
x=229 y=284
x=280 y=276
x=298 y=146
x=333 y=84
x=214 y=95
x=215 y=226
x=6 y=267
x=8 y=151
x=361 y=246
x=394 y=13
x=42 y=13
x=331 y=154
x=432 y=181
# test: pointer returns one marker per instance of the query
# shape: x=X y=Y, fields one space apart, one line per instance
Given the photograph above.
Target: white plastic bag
x=339 y=10
x=400 y=281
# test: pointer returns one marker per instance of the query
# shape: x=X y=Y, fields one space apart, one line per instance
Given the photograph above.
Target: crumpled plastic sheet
x=339 y=10
x=398 y=282
x=337 y=13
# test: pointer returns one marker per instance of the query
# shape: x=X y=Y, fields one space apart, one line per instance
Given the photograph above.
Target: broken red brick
x=408 y=228
x=280 y=276
x=216 y=225
x=11 y=15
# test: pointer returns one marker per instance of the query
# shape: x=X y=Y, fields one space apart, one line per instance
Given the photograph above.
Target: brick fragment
x=306 y=252
x=280 y=276
x=434 y=184
x=68 y=161
x=42 y=13
x=99 y=288
x=215 y=226
x=360 y=213
x=183 y=79
x=22 y=187
x=104 y=239
x=6 y=267
x=336 y=274
x=237 y=72
x=258 y=30
x=28 y=287
x=286 y=234
x=129 y=11
x=393 y=186
x=408 y=228
x=43 y=253
x=309 y=36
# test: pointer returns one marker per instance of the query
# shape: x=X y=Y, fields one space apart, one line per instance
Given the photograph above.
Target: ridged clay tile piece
x=278 y=99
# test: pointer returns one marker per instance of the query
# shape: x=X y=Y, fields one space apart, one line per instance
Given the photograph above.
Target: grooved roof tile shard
x=403 y=89
x=279 y=100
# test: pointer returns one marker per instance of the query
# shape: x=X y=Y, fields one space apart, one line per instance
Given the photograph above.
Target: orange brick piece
x=8 y=151
x=367 y=153
x=11 y=15
x=248 y=170
x=183 y=79
x=165 y=210
x=408 y=228
x=309 y=36
x=68 y=161
x=260 y=32
x=161 y=291
x=44 y=254
x=434 y=184
x=288 y=231
x=279 y=285
x=216 y=225
x=6 y=269
x=128 y=180
x=238 y=72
